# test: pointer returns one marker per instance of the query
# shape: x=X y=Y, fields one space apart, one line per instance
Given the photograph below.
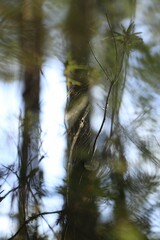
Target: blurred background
x=79 y=119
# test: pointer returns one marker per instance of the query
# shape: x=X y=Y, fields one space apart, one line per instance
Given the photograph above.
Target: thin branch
x=103 y=120
x=115 y=44
x=33 y=218
x=135 y=140
x=104 y=71
x=48 y=225
x=12 y=190
x=116 y=78
x=106 y=105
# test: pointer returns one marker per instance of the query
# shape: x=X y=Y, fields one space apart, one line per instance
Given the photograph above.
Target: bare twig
x=104 y=71
x=115 y=44
x=33 y=218
x=12 y=190
x=103 y=120
x=113 y=82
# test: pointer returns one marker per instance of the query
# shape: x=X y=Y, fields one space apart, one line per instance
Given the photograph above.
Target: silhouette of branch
x=104 y=118
x=113 y=82
x=99 y=63
x=31 y=219
x=115 y=44
x=12 y=190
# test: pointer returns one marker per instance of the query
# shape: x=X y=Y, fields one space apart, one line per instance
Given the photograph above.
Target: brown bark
x=81 y=212
x=31 y=54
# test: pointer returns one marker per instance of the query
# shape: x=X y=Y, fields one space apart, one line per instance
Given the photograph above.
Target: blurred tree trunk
x=81 y=212
x=32 y=44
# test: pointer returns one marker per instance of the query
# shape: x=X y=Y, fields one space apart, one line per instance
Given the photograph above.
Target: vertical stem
x=31 y=45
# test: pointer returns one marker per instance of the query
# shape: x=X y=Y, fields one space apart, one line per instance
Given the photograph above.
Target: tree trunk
x=81 y=212
x=31 y=42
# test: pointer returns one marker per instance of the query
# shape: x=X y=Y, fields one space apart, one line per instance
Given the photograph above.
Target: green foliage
x=128 y=39
x=71 y=66
x=110 y=163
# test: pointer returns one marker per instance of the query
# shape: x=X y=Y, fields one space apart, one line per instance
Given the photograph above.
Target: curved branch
x=104 y=118
x=31 y=219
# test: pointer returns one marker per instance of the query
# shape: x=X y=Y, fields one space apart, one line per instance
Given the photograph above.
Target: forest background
x=79 y=97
